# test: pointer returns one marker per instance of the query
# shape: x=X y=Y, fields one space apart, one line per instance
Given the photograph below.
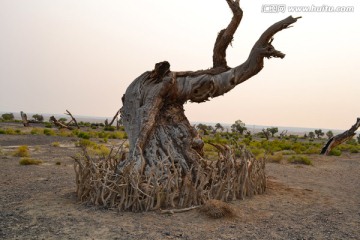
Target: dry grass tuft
x=217 y=209
x=29 y=161
x=22 y=151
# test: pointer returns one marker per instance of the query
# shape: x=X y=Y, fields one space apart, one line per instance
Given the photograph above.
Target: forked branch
x=226 y=36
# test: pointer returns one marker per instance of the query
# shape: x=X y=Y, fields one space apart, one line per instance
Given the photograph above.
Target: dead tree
x=24 y=119
x=59 y=124
x=283 y=134
x=153 y=112
x=165 y=166
x=72 y=119
x=113 y=120
x=340 y=138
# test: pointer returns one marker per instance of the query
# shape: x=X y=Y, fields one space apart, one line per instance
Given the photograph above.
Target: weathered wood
x=59 y=124
x=114 y=118
x=226 y=36
x=24 y=119
x=72 y=119
x=153 y=113
x=340 y=138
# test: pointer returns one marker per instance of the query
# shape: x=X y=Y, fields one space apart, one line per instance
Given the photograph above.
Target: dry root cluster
x=100 y=182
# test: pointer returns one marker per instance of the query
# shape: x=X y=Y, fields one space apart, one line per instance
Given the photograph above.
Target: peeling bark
x=340 y=138
x=153 y=113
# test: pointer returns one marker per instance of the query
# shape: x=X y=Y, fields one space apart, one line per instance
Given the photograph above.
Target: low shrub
x=354 y=150
x=29 y=161
x=299 y=159
x=36 y=131
x=100 y=150
x=22 y=151
x=55 y=144
x=10 y=131
x=83 y=135
x=275 y=158
x=2 y=131
x=49 y=132
x=109 y=128
x=48 y=125
x=85 y=143
x=335 y=152
x=65 y=133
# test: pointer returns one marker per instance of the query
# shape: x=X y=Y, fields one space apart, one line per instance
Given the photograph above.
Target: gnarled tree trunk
x=153 y=113
x=165 y=166
x=340 y=138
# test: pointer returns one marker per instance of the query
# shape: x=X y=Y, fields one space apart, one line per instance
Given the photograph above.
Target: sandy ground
x=301 y=202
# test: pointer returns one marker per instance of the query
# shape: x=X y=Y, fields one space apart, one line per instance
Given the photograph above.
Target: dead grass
x=217 y=209
x=22 y=151
x=29 y=161
x=99 y=182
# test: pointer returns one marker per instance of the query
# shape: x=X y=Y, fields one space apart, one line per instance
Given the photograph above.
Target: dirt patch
x=301 y=202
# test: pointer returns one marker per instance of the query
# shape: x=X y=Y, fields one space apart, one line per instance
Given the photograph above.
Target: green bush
x=10 y=131
x=55 y=144
x=2 y=131
x=335 y=152
x=22 y=151
x=83 y=135
x=100 y=150
x=298 y=159
x=86 y=143
x=275 y=158
x=65 y=133
x=48 y=125
x=36 y=131
x=38 y=117
x=49 y=132
x=8 y=116
x=109 y=128
x=354 y=150
x=29 y=161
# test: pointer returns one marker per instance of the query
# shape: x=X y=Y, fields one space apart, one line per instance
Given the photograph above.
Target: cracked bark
x=153 y=113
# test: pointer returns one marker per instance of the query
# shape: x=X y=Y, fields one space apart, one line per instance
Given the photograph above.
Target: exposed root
x=166 y=186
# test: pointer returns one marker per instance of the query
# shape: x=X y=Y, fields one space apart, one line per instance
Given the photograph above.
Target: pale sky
x=81 y=55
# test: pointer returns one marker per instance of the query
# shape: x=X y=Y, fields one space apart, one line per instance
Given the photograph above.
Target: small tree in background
x=311 y=136
x=218 y=126
x=204 y=128
x=8 y=116
x=239 y=127
x=266 y=133
x=273 y=130
x=38 y=117
x=329 y=134
x=319 y=133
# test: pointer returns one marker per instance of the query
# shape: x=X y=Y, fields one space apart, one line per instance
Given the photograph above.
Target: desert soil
x=301 y=202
